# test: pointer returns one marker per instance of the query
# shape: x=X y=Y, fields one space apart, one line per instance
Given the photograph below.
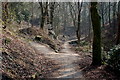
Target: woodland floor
x=22 y=62
x=66 y=60
x=102 y=72
x=32 y=60
x=73 y=64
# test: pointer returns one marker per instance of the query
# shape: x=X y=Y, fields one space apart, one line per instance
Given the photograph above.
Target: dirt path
x=66 y=60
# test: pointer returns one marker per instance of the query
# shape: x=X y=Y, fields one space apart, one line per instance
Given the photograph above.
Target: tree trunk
x=32 y=15
x=5 y=13
x=109 y=14
x=78 y=28
x=114 y=17
x=96 y=23
x=118 y=33
x=102 y=12
x=51 y=13
x=43 y=13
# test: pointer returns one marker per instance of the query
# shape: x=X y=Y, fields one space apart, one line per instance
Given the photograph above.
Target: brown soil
x=20 y=61
x=32 y=32
x=102 y=72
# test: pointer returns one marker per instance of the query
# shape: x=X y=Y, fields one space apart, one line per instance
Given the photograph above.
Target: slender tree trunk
x=118 y=33
x=78 y=28
x=5 y=13
x=32 y=15
x=109 y=14
x=114 y=17
x=47 y=14
x=43 y=14
x=52 y=13
x=96 y=23
x=102 y=12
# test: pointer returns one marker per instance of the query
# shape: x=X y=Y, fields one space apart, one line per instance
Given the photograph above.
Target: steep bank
x=21 y=61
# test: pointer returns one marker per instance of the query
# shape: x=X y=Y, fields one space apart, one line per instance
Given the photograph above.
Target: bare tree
x=52 y=7
x=78 y=28
x=109 y=14
x=102 y=12
x=5 y=13
x=43 y=13
x=32 y=13
x=114 y=17
x=118 y=33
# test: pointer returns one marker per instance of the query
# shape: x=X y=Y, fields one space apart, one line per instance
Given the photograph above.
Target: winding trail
x=66 y=59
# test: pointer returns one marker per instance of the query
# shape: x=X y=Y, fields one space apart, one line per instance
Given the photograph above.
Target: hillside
x=75 y=40
x=21 y=61
x=38 y=35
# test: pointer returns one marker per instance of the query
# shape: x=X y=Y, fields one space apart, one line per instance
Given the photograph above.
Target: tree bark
x=109 y=14
x=5 y=13
x=52 y=12
x=32 y=14
x=78 y=28
x=43 y=13
x=114 y=18
x=118 y=33
x=102 y=12
x=96 y=23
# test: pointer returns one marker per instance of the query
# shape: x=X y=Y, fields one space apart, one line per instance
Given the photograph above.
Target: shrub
x=114 y=58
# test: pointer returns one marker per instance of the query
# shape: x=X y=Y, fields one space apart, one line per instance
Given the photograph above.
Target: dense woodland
x=38 y=36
